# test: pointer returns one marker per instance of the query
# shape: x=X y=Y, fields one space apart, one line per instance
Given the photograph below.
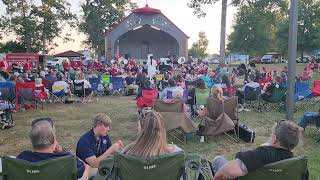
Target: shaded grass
x=73 y=120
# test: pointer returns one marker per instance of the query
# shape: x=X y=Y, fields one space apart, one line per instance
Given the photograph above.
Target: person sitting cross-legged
x=45 y=146
x=95 y=145
x=284 y=138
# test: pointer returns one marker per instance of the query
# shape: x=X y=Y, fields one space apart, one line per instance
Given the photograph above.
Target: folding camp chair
x=58 y=94
x=200 y=100
x=79 y=91
x=251 y=97
x=158 y=78
x=25 y=93
x=147 y=99
x=95 y=82
x=7 y=91
x=208 y=81
x=215 y=125
x=277 y=99
x=293 y=169
x=117 y=85
x=125 y=167
x=106 y=80
x=303 y=95
x=63 y=168
x=177 y=124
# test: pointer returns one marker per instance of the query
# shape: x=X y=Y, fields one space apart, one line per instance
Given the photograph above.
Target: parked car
x=56 y=61
x=270 y=58
x=214 y=61
x=256 y=60
x=305 y=59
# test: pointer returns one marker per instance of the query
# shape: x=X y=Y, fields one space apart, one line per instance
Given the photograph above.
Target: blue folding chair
x=303 y=95
x=117 y=85
x=95 y=86
x=302 y=90
x=208 y=81
x=7 y=90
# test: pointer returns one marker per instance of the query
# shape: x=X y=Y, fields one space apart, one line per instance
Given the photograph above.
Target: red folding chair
x=147 y=99
x=316 y=88
x=25 y=92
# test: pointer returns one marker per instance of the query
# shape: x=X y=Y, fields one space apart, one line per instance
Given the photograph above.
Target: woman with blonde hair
x=217 y=93
x=152 y=138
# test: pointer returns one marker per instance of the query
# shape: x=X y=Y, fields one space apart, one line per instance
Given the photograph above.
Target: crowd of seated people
x=95 y=146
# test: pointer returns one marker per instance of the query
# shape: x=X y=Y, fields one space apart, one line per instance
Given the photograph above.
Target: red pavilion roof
x=147 y=10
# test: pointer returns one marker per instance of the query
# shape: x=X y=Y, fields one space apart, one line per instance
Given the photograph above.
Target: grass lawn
x=73 y=120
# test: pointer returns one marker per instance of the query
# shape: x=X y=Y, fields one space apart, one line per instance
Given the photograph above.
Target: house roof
x=145 y=11
x=68 y=54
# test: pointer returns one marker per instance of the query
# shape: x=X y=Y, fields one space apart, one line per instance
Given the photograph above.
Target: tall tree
x=35 y=24
x=255 y=26
x=21 y=22
x=199 y=49
x=100 y=16
x=308 y=28
x=52 y=16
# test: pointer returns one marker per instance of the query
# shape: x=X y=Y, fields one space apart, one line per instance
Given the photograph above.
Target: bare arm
x=94 y=161
x=233 y=169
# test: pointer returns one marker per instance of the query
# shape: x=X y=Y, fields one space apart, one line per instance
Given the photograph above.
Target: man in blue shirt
x=45 y=146
x=95 y=145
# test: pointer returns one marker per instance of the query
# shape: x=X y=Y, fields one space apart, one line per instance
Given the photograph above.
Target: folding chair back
x=7 y=91
x=63 y=168
x=190 y=84
x=117 y=84
x=105 y=79
x=251 y=93
x=79 y=89
x=201 y=96
x=94 y=83
x=159 y=77
x=120 y=166
x=316 y=88
x=25 y=92
x=147 y=98
x=293 y=169
x=208 y=81
x=230 y=108
x=278 y=95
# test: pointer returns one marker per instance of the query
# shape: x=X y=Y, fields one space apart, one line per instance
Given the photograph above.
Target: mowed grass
x=73 y=120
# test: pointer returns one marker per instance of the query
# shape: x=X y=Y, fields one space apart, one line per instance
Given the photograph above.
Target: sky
x=176 y=10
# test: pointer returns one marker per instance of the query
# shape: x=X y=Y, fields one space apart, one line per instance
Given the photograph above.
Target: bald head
x=42 y=135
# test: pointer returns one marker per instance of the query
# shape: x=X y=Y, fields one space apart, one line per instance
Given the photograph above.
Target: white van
x=57 y=60
x=270 y=58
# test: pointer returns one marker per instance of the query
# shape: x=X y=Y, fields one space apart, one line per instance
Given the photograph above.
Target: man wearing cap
x=95 y=145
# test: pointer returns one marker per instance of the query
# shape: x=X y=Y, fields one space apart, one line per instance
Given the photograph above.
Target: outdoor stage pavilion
x=146 y=31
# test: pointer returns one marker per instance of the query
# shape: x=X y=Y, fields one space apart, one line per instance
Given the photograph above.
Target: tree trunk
x=223 y=32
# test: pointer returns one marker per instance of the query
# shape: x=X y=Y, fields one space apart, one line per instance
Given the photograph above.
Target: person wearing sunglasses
x=95 y=145
x=284 y=138
x=42 y=135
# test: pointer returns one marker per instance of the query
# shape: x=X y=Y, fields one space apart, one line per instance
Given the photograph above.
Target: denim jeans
x=309 y=118
x=217 y=163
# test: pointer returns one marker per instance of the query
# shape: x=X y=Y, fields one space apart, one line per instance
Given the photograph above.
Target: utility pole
x=223 y=32
x=292 y=49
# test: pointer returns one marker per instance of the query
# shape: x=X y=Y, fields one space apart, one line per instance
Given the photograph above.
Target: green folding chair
x=277 y=100
x=201 y=96
x=293 y=169
x=105 y=79
x=62 y=168
x=124 y=167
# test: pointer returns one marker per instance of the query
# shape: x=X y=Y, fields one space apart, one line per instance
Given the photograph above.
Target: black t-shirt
x=263 y=155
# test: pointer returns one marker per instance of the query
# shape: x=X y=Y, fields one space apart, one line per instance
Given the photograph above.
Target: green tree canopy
x=99 y=17
x=255 y=26
x=199 y=49
x=308 y=28
x=12 y=47
x=37 y=24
